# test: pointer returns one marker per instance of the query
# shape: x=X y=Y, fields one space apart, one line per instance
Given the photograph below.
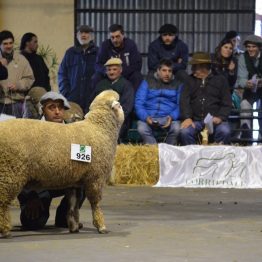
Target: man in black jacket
x=204 y=93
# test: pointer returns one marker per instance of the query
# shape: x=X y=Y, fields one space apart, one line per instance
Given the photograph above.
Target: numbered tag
x=81 y=153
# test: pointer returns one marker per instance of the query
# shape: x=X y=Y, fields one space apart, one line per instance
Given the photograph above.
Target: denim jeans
x=147 y=132
x=222 y=133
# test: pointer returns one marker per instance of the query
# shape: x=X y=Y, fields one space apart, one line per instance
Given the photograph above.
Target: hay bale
x=136 y=164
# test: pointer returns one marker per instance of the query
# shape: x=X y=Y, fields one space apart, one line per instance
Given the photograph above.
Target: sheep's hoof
x=6 y=235
x=103 y=230
x=74 y=231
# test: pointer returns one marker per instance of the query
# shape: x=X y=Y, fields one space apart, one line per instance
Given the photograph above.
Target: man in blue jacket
x=77 y=69
x=119 y=46
x=157 y=104
x=168 y=46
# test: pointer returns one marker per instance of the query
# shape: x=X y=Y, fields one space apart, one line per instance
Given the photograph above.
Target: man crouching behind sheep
x=37 y=153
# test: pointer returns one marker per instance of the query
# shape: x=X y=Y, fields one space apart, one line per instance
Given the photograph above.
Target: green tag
x=82 y=149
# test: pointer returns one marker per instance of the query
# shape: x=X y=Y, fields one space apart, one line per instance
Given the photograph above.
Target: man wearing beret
x=249 y=77
x=168 y=46
x=204 y=94
x=123 y=87
x=77 y=69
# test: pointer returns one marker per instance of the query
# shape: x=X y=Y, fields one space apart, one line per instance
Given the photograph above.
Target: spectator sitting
x=157 y=104
x=225 y=63
x=119 y=46
x=168 y=46
x=249 y=77
x=122 y=86
x=35 y=205
x=204 y=93
x=28 y=47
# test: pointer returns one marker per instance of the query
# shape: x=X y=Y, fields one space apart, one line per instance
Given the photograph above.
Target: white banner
x=210 y=166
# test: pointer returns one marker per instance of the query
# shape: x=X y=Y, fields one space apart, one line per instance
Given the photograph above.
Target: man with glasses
x=168 y=46
x=119 y=46
x=249 y=77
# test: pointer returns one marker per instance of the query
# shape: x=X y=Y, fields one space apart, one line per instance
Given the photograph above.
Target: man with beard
x=20 y=77
x=77 y=69
x=119 y=46
x=28 y=47
x=168 y=46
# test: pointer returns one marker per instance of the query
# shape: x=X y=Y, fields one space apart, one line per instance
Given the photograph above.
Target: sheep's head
x=110 y=100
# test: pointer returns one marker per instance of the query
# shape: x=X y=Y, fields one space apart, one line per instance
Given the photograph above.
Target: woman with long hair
x=225 y=63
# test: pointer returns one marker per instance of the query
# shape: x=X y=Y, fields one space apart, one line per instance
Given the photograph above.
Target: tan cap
x=113 y=61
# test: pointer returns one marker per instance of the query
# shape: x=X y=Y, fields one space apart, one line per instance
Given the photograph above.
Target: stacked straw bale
x=136 y=164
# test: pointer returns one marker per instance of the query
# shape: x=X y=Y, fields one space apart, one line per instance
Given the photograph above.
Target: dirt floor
x=151 y=224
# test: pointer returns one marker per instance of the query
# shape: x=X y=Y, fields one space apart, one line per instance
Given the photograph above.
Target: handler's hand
x=149 y=120
x=217 y=120
x=168 y=122
x=187 y=123
x=12 y=87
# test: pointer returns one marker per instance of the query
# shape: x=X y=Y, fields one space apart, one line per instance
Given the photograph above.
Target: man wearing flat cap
x=168 y=46
x=77 y=69
x=35 y=204
x=204 y=94
x=249 y=77
x=122 y=86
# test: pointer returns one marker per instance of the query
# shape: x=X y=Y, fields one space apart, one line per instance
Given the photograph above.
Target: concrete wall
x=52 y=21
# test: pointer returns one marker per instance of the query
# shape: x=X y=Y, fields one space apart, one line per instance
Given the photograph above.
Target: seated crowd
x=168 y=100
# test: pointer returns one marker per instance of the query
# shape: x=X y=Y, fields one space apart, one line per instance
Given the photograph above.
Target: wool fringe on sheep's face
x=38 y=152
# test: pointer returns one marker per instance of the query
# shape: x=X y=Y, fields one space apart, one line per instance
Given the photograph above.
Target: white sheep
x=34 y=152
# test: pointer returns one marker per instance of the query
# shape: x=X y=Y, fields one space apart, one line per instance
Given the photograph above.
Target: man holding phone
x=157 y=104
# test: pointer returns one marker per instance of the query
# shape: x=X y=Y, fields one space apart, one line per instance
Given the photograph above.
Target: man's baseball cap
x=54 y=96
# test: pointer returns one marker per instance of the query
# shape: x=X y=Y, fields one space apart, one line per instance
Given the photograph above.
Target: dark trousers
x=41 y=220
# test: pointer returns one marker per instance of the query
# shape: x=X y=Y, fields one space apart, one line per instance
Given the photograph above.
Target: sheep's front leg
x=98 y=218
x=5 y=225
x=94 y=195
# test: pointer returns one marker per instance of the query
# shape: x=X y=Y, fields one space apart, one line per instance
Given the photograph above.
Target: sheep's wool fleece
x=39 y=151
